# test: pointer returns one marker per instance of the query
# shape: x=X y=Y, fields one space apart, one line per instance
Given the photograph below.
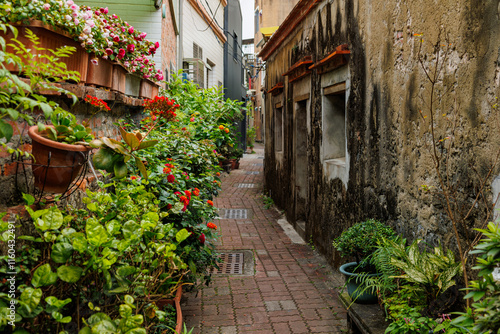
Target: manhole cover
x=253 y=173
x=246 y=185
x=236 y=214
x=232 y=263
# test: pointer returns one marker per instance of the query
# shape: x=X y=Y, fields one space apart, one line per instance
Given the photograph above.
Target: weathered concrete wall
x=387 y=115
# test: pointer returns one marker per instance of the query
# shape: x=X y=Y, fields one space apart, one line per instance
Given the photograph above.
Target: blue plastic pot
x=352 y=285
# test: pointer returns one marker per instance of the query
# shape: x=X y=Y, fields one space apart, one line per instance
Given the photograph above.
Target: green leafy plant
x=251 y=134
x=268 y=201
x=361 y=240
x=484 y=316
x=38 y=69
x=66 y=129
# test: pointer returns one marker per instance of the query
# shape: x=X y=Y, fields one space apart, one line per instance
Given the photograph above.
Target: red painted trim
x=340 y=50
x=304 y=61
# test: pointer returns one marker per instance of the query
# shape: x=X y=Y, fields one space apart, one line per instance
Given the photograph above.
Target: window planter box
x=149 y=89
x=100 y=74
x=51 y=38
x=132 y=84
x=119 y=78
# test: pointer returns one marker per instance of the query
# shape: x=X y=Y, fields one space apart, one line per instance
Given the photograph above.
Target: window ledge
x=337 y=162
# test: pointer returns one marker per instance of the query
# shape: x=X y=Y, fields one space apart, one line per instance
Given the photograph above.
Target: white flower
x=68 y=18
x=77 y=21
x=87 y=30
x=110 y=43
x=69 y=2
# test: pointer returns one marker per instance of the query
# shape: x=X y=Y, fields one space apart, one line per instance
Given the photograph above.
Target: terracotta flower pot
x=176 y=302
x=56 y=164
x=119 y=78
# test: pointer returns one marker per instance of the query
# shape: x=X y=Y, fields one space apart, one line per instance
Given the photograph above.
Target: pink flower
x=114 y=16
x=68 y=18
x=104 y=10
x=143 y=35
x=192 y=119
x=109 y=52
x=116 y=39
x=146 y=61
x=131 y=30
x=77 y=21
x=46 y=6
x=146 y=76
x=94 y=61
x=131 y=47
x=157 y=45
x=123 y=29
x=69 y=2
x=121 y=53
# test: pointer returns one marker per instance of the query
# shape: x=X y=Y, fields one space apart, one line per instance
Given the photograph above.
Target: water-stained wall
x=392 y=86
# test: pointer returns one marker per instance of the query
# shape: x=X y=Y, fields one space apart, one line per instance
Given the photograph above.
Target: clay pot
x=176 y=301
x=100 y=74
x=56 y=164
x=148 y=89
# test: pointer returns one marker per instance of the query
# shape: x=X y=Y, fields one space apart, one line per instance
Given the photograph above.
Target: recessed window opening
x=278 y=135
x=334 y=132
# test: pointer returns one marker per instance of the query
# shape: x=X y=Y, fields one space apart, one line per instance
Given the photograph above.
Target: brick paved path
x=290 y=290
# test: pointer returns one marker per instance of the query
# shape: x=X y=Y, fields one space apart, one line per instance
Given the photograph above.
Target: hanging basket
x=56 y=164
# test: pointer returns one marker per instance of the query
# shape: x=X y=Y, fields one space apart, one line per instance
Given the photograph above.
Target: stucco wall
x=388 y=138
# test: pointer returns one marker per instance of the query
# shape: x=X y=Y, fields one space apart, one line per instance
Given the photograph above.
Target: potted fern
x=359 y=242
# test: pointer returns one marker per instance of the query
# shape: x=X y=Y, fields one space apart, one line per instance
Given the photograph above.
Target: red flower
x=188 y=193
x=121 y=53
x=116 y=39
x=196 y=192
x=212 y=226
x=171 y=178
x=167 y=170
x=131 y=47
x=169 y=206
x=202 y=238
x=210 y=203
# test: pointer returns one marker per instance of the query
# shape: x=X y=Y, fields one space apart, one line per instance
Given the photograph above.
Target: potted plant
x=236 y=155
x=60 y=150
x=359 y=242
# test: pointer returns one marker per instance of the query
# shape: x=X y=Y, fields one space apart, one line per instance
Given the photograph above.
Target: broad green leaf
x=30 y=200
x=6 y=130
x=69 y=274
x=134 y=321
x=136 y=331
x=103 y=327
x=125 y=271
x=31 y=298
x=142 y=168
x=131 y=230
x=128 y=299
x=125 y=311
x=43 y=276
x=132 y=140
x=58 y=303
x=96 y=233
x=79 y=242
x=147 y=143
x=61 y=252
x=53 y=218
x=182 y=235
x=85 y=330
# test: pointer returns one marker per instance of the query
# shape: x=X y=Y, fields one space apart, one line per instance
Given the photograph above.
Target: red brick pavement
x=292 y=289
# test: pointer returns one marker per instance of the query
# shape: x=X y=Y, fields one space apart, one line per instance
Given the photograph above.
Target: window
x=278 y=128
x=235 y=46
x=256 y=21
x=334 y=143
x=197 y=51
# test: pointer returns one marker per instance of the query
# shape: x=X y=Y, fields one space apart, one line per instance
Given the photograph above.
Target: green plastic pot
x=352 y=285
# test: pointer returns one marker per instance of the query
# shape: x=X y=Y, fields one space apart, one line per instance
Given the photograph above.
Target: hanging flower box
x=119 y=78
x=100 y=72
x=132 y=84
x=149 y=89
x=50 y=39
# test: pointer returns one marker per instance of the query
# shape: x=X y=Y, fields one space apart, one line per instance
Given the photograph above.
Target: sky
x=247 y=14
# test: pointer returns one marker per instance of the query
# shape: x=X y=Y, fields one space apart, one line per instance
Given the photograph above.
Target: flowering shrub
x=104 y=34
x=97 y=102
x=161 y=107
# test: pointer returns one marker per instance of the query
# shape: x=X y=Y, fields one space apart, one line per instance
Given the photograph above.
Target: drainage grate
x=260 y=157
x=246 y=185
x=236 y=214
x=253 y=173
x=260 y=164
x=232 y=263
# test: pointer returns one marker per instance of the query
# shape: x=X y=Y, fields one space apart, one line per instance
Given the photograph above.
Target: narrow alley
x=284 y=286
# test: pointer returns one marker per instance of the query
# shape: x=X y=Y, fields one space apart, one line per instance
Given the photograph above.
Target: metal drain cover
x=246 y=185
x=236 y=214
x=232 y=263
x=253 y=173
